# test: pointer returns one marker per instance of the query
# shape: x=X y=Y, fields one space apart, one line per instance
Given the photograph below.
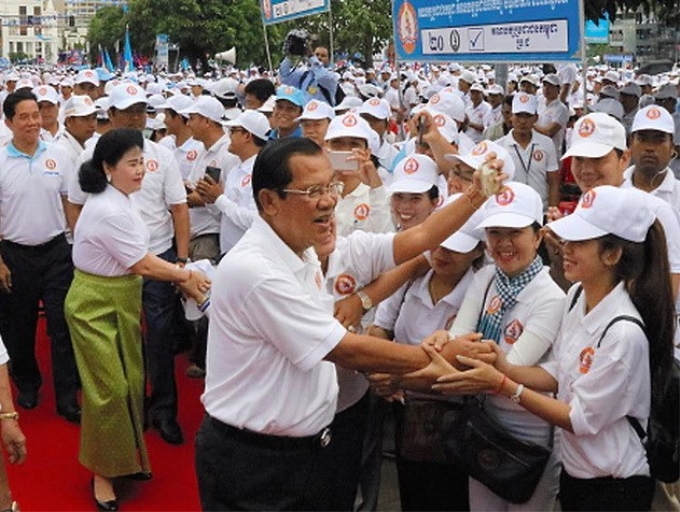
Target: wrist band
x=500 y=387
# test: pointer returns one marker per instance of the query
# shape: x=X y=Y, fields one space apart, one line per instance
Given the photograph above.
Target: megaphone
x=228 y=56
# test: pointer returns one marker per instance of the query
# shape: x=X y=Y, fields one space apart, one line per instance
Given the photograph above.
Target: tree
x=106 y=29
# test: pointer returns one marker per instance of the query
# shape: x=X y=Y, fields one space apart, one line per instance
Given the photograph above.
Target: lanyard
x=521 y=160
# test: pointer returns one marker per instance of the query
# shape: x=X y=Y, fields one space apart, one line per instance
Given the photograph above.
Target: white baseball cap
x=477 y=156
x=348 y=103
x=666 y=91
x=23 y=83
x=516 y=206
x=125 y=95
x=349 y=125
x=79 y=106
x=447 y=127
x=595 y=135
x=477 y=87
x=376 y=107
x=253 y=122
x=653 y=117
x=610 y=91
x=644 y=80
x=414 y=174
x=496 y=89
x=631 y=89
x=315 y=109
x=524 y=103
x=611 y=76
x=268 y=106
x=468 y=235
x=624 y=212
x=178 y=102
x=552 y=79
x=468 y=76
x=206 y=106
x=88 y=76
x=532 y=79
x=46 y=93
x=449 y=102
x=609 y=106
x=224 y=88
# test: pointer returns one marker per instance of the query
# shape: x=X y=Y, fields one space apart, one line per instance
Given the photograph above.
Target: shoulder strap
x=577 y=294
x=637 y=427
x=620 y=318
x=486 y=294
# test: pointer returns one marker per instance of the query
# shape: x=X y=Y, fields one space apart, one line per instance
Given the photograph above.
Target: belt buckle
x=325 y=437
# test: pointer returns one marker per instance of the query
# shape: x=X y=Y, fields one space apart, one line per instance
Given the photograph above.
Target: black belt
x=50 y=244
x=319 y=440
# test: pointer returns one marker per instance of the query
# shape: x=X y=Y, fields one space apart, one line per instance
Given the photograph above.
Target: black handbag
x=423 y=429
x=483 y=448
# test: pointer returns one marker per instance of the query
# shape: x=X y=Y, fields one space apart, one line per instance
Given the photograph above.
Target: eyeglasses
x=333 y=189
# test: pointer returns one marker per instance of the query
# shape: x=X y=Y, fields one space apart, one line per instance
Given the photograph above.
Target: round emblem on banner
x=345 y=284
x=411 y=165
x=505 y=197
x=587 y=128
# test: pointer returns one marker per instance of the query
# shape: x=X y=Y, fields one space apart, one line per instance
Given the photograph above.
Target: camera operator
x=314 y=78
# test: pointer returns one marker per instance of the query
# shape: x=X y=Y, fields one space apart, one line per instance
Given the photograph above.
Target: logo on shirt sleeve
x=513 y=331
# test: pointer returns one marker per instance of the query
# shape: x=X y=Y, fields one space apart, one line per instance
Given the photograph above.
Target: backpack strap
x=577 y=294
x=633 y=421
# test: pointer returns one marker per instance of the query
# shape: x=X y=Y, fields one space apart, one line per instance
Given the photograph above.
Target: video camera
x=296 y=43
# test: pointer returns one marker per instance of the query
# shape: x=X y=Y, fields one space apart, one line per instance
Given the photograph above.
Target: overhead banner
x=487 y=30
x=276 y=11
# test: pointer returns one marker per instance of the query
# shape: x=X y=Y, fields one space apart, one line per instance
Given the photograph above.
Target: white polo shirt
x=185 y=155
x=477 y=115
x=533 y=162
x=554 y=112
x=71 y=146
x=668 y=190
x=364 y=209
x=162 y=188
x=31 y=193
x=529 y=329
x=205 y=220
x=357 y=260
x=110 y=236
x=47 y=136
x=271 y=325
x=236 y=204
x=602 y=386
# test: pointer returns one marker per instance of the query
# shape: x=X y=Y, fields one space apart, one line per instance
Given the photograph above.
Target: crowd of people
x=354 y=243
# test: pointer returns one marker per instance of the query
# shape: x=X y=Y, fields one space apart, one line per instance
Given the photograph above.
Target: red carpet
x=52 y=479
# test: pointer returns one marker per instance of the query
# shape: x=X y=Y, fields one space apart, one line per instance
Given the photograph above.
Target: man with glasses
x=270 y=389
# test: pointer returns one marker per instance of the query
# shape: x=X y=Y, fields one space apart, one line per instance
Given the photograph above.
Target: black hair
x=9 y=106
x=227 y=102
x=271 y=169
x=110 y=149
x=433 y=193
x=645 y=270
x=507 y=99
x=261 y=88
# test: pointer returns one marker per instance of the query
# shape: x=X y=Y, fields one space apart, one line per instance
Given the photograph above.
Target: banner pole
x=266 y=45
x=330 y=37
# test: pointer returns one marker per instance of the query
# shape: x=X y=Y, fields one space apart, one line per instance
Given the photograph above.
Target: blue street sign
x=276 y=11
x=487 y=31
x=597 y=34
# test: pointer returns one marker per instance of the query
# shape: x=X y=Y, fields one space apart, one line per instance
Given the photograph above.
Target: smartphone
x=340 y=163
x=421 y=129
x=213 y=172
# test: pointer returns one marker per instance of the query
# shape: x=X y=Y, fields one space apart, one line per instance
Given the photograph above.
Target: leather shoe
x=70 y=413
x=140 y=476
x=106 y=506
x=28 y=399
x=169 y=430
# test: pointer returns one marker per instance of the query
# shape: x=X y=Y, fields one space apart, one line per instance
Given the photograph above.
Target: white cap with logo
x=479 y=153
x=376 y=107
x=516 y=206
x=468 y=235
x=414 y=174
x=349 y=125
x=253 y=122
x=315 y=109
x=79 y=106
x=125 y=95
x=624 y=212
x=653 y=118
x=524 y=103
x=206 y=106
x=595 y=135
x=46 y=93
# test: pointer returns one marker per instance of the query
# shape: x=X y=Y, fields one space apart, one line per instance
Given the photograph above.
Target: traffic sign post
x=488 y=30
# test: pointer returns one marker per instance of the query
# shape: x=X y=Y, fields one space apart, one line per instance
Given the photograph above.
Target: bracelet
x=181 y=260
x=500 y=387
x=9 y=415
x=473 y=193
x=516 y=396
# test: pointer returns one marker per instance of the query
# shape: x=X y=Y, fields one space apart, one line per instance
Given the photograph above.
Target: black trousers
x=236 y=472
x=634 y=493
x=44 y=273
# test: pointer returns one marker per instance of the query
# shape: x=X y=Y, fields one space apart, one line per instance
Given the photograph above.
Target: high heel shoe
x=106 y=506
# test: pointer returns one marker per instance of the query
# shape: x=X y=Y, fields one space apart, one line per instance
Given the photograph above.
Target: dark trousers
x=159 y=301
x=371 y=453
x=236 y=473
x=39 y=273
x=428 y=485
x=606 y=493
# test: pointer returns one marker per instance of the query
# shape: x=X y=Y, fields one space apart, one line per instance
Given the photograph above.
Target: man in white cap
x=495 y=101
x=553 y=115
x=86 y=82
x=315 y=119
x=234 y=199
x=629 y=96
x=162 y=205
x=377 y=112
x=180 y=138
x=533 y=153
x=465 y=81
x=476 y=112
x=35 y=262
x=48 y=102
x=80 y=121
x=363 y=202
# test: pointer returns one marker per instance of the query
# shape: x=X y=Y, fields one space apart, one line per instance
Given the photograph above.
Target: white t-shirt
x=31 y=193
x=271 y=325
x=477 y=115
x=236 y=204
x=110 y=236
x=554 y=112
x=602 y=385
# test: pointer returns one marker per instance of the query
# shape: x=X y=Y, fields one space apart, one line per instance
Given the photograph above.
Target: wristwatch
x=9 y=415
x=517 y=395
x=366 y=302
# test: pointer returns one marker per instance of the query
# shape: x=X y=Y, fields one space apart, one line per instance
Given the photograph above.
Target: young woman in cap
x=516 y=304
x=615 y=249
